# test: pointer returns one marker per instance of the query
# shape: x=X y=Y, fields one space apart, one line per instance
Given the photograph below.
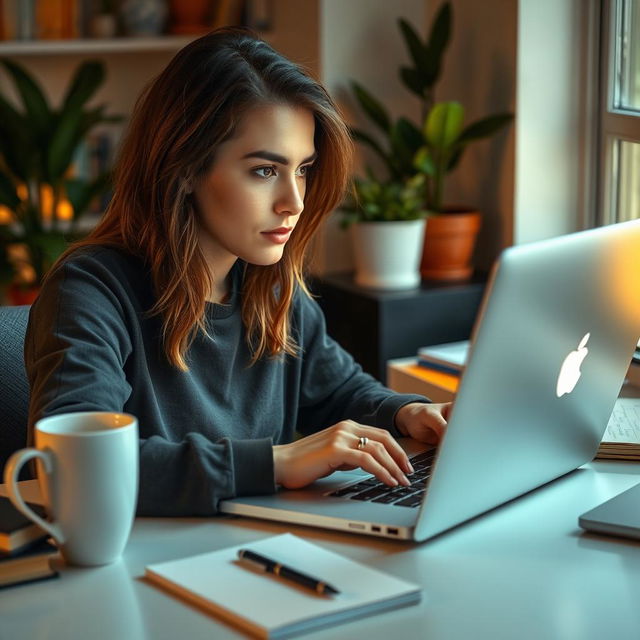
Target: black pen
x=272 y=566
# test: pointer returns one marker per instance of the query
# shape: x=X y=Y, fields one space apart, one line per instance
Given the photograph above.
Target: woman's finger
x=391 y=446
x=382 y=456
x=368 y=463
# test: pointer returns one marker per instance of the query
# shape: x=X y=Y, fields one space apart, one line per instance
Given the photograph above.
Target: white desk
x=523 y=571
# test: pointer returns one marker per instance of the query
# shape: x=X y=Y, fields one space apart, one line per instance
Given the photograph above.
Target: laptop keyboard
x=373 y=490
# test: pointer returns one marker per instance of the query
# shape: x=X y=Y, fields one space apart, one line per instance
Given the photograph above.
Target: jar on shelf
x=144 y=17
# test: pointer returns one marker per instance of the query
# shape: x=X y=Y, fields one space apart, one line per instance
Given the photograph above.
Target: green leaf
x=17 y=143
x=417 y=49
x=455 y=159
x=66 y=137
x=411 y=134
x=485 y=127
x=89 y=76
x=406 y=139
x=372 y=107
x=440 y=33
x=413 y=80
x=424 y=162
x=7 y=270
x=8 y=195
x=444 y=124
x=33 y=99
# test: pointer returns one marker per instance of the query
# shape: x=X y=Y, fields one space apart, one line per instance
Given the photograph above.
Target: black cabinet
x=376 y=325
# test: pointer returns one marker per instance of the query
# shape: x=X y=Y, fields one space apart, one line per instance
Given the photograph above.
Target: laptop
x=619 y=516
x=552 y=342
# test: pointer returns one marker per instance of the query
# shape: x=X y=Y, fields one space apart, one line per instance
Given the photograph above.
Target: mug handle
x=11 y=471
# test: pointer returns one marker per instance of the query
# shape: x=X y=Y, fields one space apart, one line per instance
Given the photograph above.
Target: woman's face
x=252 y=196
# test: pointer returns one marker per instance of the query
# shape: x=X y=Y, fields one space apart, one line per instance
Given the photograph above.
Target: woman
x=186 y=306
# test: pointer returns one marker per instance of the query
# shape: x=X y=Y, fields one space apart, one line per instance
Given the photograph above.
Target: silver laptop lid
x=569 y=304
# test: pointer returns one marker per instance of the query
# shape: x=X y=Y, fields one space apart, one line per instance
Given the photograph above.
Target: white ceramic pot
x=387 y=254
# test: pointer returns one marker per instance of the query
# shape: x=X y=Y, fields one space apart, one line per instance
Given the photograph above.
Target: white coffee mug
x=88 y=475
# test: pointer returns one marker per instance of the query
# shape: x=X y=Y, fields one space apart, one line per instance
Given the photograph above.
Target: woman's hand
x=422 y=421
x=301 y=462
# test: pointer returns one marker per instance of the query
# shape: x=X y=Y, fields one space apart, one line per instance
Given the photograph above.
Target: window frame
x=615 y=124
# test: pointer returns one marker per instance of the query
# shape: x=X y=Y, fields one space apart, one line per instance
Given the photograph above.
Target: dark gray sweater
x=205 y=434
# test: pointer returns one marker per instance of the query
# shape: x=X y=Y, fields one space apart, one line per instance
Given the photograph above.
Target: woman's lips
x=278 y=236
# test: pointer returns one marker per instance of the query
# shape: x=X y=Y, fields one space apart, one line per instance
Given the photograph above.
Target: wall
x=548 y=159
x=360 y=40
x=524 y=56
x=480 y=72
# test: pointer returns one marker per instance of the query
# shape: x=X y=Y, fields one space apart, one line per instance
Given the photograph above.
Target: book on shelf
x=268 y=606
x=30 y=565
x=449 y=357
x=16 y=530
x=621 y=440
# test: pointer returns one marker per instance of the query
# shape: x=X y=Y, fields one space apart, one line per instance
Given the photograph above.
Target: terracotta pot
x=20 y=294
x=449 y=241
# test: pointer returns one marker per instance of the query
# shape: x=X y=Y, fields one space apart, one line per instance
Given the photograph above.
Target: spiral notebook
x=268 y=606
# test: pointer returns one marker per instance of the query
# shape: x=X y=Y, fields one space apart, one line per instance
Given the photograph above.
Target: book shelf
x=92 y=45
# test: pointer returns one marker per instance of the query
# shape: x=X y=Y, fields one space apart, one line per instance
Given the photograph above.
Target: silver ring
x=362 y=442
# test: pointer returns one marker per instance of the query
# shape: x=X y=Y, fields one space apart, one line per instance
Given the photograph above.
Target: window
x=619 y=170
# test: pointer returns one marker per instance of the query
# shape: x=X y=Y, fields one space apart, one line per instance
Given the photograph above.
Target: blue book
x=450 y=357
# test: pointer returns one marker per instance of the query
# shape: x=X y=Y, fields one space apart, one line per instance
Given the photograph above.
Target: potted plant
x=451 y=231
x=388 y=231
x=431 y=149
x=41 y=202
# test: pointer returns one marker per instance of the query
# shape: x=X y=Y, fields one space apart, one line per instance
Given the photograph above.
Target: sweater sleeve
x=78 y=351
x=334 y=387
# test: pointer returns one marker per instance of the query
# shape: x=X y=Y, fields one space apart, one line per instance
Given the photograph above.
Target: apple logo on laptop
x=570 y=370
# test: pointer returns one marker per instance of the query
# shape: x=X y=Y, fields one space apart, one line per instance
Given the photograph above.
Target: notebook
x=549 y=352
x=268 y=606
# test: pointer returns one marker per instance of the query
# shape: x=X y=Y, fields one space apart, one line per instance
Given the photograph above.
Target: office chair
x=14 y=390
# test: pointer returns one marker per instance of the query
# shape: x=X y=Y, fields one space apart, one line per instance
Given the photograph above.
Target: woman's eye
x=266 y=172
x=303 y=171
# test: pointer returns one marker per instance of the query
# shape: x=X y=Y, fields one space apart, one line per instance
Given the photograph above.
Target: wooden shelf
x=92 y=45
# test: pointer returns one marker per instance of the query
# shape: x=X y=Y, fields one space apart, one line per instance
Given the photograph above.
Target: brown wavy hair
x=194 y=105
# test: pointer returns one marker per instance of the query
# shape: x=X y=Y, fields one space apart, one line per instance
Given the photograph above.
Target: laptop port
x=376 y=528
x=356 y=525
x=392 y=531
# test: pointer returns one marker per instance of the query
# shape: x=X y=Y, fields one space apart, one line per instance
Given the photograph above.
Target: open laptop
x=619 y=516
x=550 y=348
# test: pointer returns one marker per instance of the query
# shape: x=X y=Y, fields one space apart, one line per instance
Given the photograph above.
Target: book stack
x=449 y=357
x=621 y=440
x=434 y=373
x=24 y=550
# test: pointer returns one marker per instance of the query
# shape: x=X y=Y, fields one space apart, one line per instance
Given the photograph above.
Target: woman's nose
x=291 y=200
